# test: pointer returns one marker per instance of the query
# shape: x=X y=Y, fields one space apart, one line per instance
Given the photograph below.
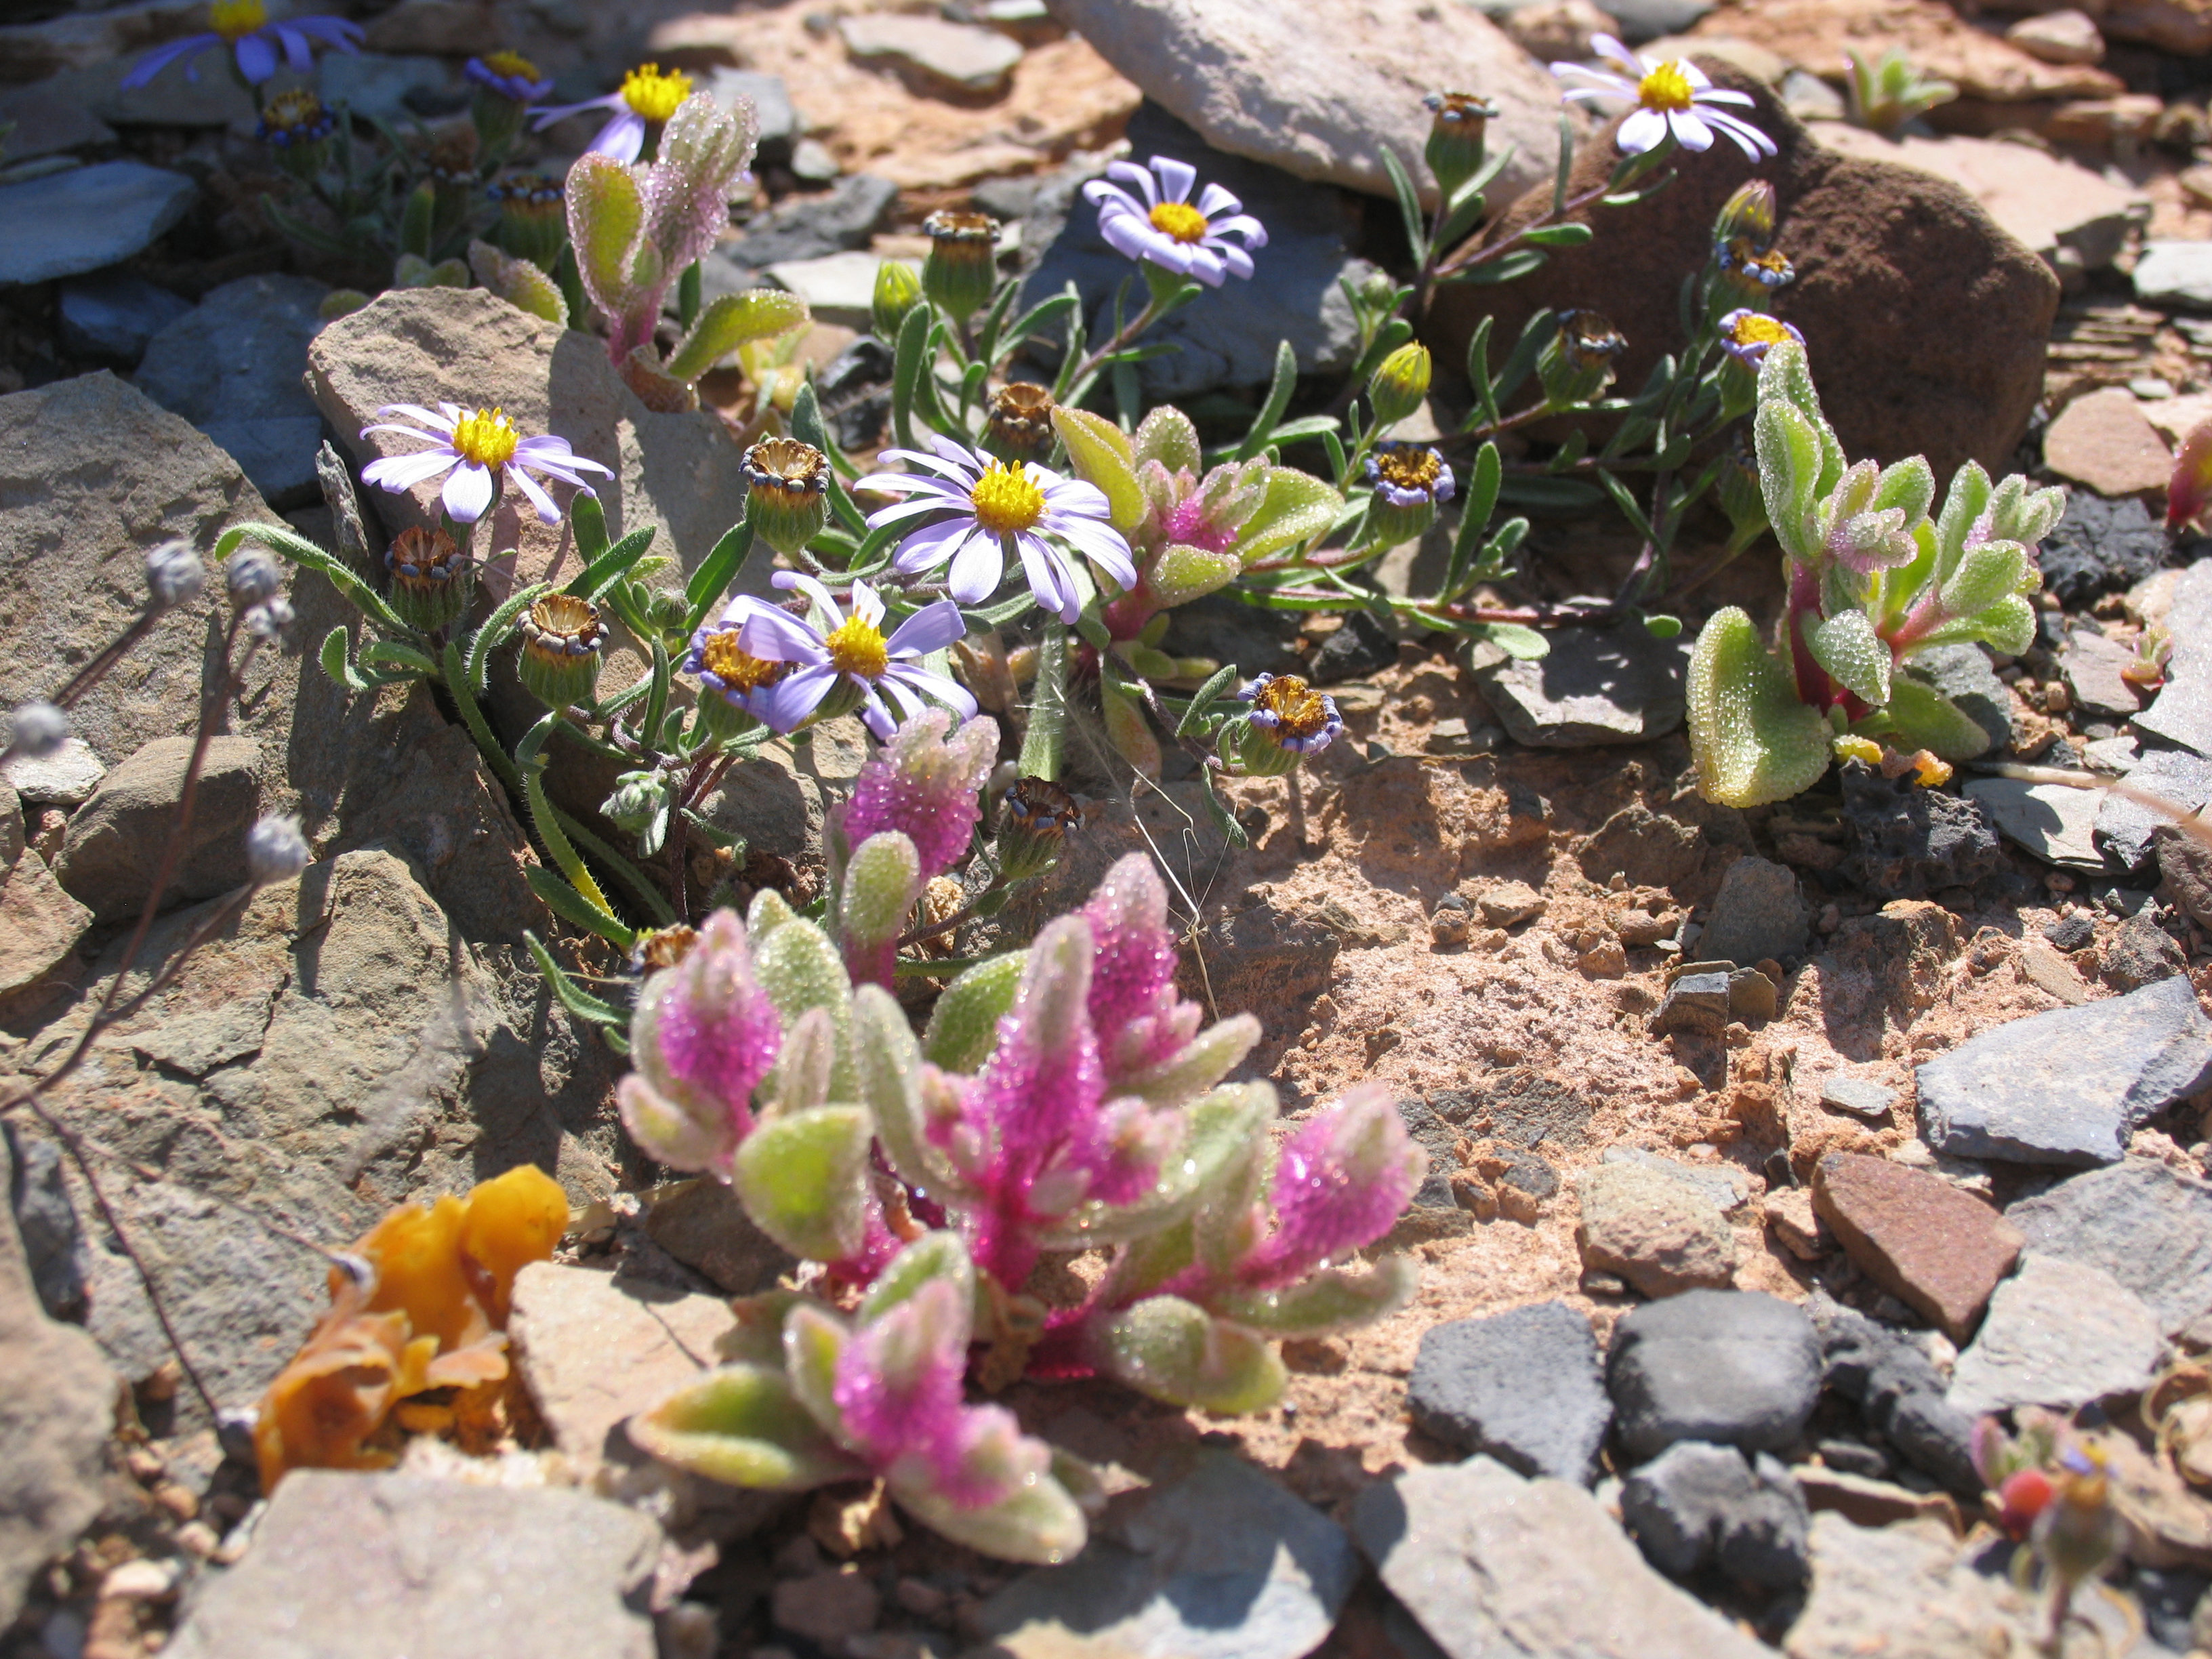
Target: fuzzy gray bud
x=252 y=576
x=270 y=618
x=40 y=729
x=175 y=575
x=276 y=850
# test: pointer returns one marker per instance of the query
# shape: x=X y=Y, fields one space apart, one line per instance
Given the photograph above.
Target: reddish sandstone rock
x=1935 y=1248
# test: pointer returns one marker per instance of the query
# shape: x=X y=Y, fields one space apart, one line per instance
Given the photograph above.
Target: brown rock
x=702 y=1225
x=2185 y=865
x=2103 y=440
x=1816 y=34
x=1935 y=1248
x=39 y=924
x=2059 y=37
x=1866 y=1502
x=1661 y=1234
x=1557 y=28
x=2176 y=25
x=1789 y=1212
x=2103 y=123
x=1926 y=322
x=829 y=1608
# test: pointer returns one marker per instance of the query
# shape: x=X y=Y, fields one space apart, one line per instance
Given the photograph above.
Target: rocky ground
x=1767 y=1148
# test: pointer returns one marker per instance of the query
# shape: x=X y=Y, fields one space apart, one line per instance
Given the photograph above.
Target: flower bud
x=1409 y=480
x=787 y=493
x=562 y=643
x=275 y=850
x=507 y=84
x=899 y=291
x=533 y=221
x=270 y=618
x=252 y=576
x=640 y=806
x=963 y=267
x=40 y=729
x=1017 y=424
x=1576 y=365
x=175 y=575
x=297 y=128
x=1289 y=721
x=1036 y=815
x=1747 y=216
x=1400 y=385
x=432 y=579
x=1455 y=135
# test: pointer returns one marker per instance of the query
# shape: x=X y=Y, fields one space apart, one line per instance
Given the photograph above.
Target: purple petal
x=1610 y=48
x=622 y=138
x=1214 y=199
x=297 y=52
x=785 y=704
x=932 y=628
x=798 y=580
x=257 y=59
x=161 y=56
x=468 y=493
x=1238 y=261
x=399 y=473
x=775 y=636
x=1076 y=496
x=1131 y=237
x=547 y=513
x=928 y=549
x=1104 y=547
x=1243 y=224
x=1130 y=173
x=541 y=119
x=1176 y=177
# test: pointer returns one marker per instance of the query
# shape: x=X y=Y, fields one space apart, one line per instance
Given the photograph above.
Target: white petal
x=1644 y=130
x=468 y=493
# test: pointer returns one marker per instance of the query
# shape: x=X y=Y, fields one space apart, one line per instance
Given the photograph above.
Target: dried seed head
x=276 y=850
x=175 y=575
x=40 y=729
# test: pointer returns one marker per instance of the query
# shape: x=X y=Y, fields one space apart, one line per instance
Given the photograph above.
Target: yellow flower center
x=1413 y=467
x=653 y=95
x=1666 y=88
x=487 y=437
x=1758 y=329
x=1007 y=499
x=738 y=669
x=235 y=20
x=1299 y=709
x=511 y=65
x=1179 y=220
x=856 y=647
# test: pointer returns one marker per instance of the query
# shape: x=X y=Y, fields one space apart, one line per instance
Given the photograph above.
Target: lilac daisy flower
x=244 y=27
x=510 y=75
x=1165 y=228
x=852 y=649
x=645 y=98
x=1674 y=98
x=988 y=504
x=1298 y=718
x=1746 y=334
x=470 y=448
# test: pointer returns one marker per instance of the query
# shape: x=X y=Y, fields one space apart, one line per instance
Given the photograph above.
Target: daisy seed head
x=1577 y=363
x=1456 y=135
x=662 y=947
x=432 y=578
x=1038 y=817
x=39 y=730
x=275 y=850
x=175 y=575
x=786 y=492
x=1018 y=421
x=962 y=266
x=563 y=642
x=295 y=118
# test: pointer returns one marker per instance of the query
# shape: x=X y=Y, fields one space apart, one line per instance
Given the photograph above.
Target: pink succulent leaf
x=927 y=787
x=898 y=1393
x=704 y=1035
x=1134 y=1003
x=1340 y=1183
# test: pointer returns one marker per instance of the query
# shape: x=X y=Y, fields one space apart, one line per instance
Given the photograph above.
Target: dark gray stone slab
x=2148 y=1226
x=111 y=315
x=2125 y=827
x=1738 y=1368
x=86 y=219
x=1697 y=1506
x=1757 y=913
x=2068 y=1086
x=1526 y=1387
x=1595 y=686
x=1964 y=674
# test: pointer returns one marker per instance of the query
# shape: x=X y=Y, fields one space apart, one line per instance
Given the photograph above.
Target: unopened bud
x=1578 y=364
x=1456 y=135
x=252 y=576
x=270 y=618
x=275 y=850
x=1747 y=216
x=899 y=291
x=175 y=575
x=40 y=729
x=1400 y=383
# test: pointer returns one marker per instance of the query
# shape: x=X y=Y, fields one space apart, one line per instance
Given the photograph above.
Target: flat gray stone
x=1738 y=1367
x=2119 y=755
x=1857 y=1095
x=111 y=315
x=1964 y=674
x=1595 y=686
x=840 y=220
x=1218 y=1562
x=116 y=840
x=2091 y=666
x=2058 y=1333
x=1526 y=1387
x=2125 y=827
x=1757 y=913
x=375 y=85
x=2053 y=822
x=838 y=288
x=2068 y=1086
x=365 y=1566
x=2175 y=273
x=957 y=55
x=1696 y=1506
x=780 y=125
x=1694 y=1002
x=1494 y=1566
x=2182 y=711
x=1724 y=1185
x=234 y=367
x=1912 y=1590
x=2148 y=1226
x=86 y=219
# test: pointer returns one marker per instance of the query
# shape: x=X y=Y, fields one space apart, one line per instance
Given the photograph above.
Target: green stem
x=547 y=821
x=1045 y=743
x=464 y=699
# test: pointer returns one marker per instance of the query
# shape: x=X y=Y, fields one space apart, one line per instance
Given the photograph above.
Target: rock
x=1858 y=1096
x=2116 y=755
x=1648 y=849
x=1753 y=999
x=337 y=1050
x=2071 y=932
x=1244 y=75
x=1215 y=1562
x=1895 y=268
x=1508 y=903
x=2125 y=828
x=1913 y=841
x=2059 y=37
x=1900 y=1391
x=1525 y=1387
x=40 y=922
x=374 y=86
x=1266 y=961
x=232 y=368
x=801 y=228
x=49 y=121
x=1494 y=1566
x=2091 y=664
x=838 y=288
x=703 y=1226
x=780 y=123
x=1758 y=915
x=66 y=778
x=596 y=1348
x=935 y=52
x=1362 y=646
x=2182 y=713
x=1643 y=21
x=2148 y=1225
x=350 y=1565
x=1694 y=1002
x=1227 y=336
x=813 y=162
x=1697 y=1506
x=111 y=315
x=2140 y=953
x=1790 y=1213
x=2044 y=967
x=678 y=472
x=1963 y=673
x=1658 y=1233
x=2068 y=1086
x=56 y=1418
x=1550 y=29
x=2184 y=866
x=1615 y=685
x=1737 y=1367
x=1525 y=1107
x=1937 y=1249
x=829 y=1608
x=2059 y=1334
x=86 y=219
x=1911 y=1591
x=1721 y=1184
x=1868 y=1501
x=2101 y=440
x=2053 y=822
x=2100 y=546
x=116 y=840
x=2175 y=273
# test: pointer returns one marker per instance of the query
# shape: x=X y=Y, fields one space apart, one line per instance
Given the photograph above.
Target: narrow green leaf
x=594 y=581
x=1193 y=720
x=733 y=320
x=589 y=522
x=1570 y=235
x=1278 y=394
x=566 y=992
x=1409 y=205
x=715 y=573
x=494 y=632
x=571 y=906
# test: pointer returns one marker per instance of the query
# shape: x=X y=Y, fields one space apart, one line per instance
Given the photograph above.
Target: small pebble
x=143 y=1580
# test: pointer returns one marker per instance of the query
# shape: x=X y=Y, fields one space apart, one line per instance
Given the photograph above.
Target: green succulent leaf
x=1296 y=505
x=1789 y=473
x=890 y=1070
x=1910 y=484
x=1969 y=496
x=813 y=1342
x=1331 y=1300
x=1754 y=742
x=606 y=213
x=1983 y=575
x=742 y=1426
x=1100 y=453
x=1175 y=1350
x=1166 y=435
x=1185 y=573
x=1924 y=718
x=882 y=882
x=799 y=969
x=803 y=1178
x=733 y=320
x=964 y=1027
x=932 y=1256
x=1847 y=646
x=1039 y=1523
